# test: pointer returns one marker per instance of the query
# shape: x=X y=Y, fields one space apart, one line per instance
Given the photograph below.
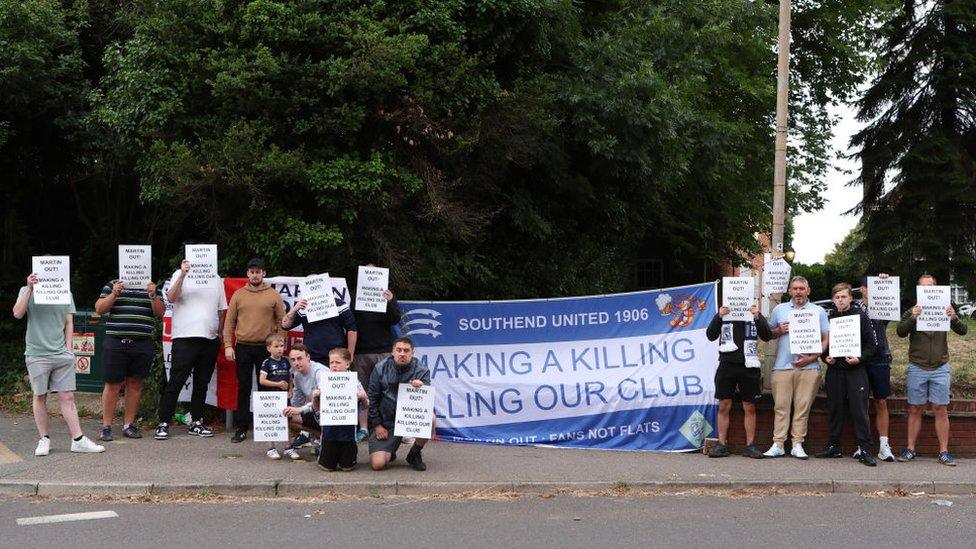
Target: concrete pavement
x=190 y=465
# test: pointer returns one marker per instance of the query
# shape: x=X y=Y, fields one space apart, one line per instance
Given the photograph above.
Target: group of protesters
x=849 y=380
x=249 y=330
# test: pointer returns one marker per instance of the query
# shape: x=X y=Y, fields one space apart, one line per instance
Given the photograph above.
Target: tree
x=918 y=172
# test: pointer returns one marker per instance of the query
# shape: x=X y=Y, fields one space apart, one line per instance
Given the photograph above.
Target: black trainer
x=415 y=460
x=200 y=430
x=752 y=452
x=239 y=435
x=867 y=459
x=831 y=451
x=718 y=451
x=162 y=431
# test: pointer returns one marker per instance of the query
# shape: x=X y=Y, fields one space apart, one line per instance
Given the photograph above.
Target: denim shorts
x=925 y=386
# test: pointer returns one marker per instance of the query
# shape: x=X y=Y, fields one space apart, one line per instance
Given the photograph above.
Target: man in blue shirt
x=795 y=377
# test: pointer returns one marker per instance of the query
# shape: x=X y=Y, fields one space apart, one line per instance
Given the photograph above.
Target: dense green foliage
x=917 y=153
x=507 y=148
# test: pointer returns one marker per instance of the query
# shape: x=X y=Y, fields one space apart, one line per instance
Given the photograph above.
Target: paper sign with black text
x=934 y=300
x=370 y=285
x=317 y=291
x=845 y=336
x=804 y=332
x=53 y=279
x=337 y=398
x=776 y=275
x=414 y=411
x=269 y=424
x=883 y=298
x=203 y=266
x=135 y=265
x=738 y=294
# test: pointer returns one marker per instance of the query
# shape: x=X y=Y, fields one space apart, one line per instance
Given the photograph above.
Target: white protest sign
x=269 y=424
x=203 y=266
x=317 y=291
x=776 y=275
x=738 y=294
x=934 y=300
x=845 y=336
x=135 y=265
x=53 y=279
x=370 y=285
x=337 y=401
x=805 y=332
x=884 y=301
x=414 y=411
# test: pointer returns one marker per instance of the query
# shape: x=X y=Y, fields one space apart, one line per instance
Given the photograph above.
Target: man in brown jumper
x=254 y=312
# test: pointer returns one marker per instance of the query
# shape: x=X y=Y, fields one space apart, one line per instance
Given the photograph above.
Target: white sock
x=884 y=441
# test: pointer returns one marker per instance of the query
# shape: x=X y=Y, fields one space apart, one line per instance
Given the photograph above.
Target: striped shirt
x=131 y=316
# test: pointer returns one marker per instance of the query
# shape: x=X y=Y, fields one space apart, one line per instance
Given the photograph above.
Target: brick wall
x=962 y=426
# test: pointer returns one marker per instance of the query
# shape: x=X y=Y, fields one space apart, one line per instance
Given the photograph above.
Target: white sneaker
x=775 y=451
x=273 y=453
x=86 y=446
x=885 y=454
x=43 y=447
x=797 y=451
x=290 y=453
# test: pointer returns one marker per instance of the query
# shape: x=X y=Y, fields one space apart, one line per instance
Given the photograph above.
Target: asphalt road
x=527 y=521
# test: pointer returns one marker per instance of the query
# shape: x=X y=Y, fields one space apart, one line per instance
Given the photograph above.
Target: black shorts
x=310 y=420
x=338 y=454
x=730 y=377
x=879 y=377
x=124 y=357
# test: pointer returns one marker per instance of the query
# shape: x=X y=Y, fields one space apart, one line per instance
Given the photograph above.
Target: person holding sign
x=847 y=379
x=384 y=387
x=928 y=376
x=375 y=333
x=738 y=368
x=274 y=376
x=51 y=365
x=129 y=349
x=878 y=367
x=339 y=441
x=303 y=414
x=323 y=335
x=198 y=316
x=254 y=312
x=795 y=376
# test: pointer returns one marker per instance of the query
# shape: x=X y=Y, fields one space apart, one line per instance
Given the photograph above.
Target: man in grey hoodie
x=384 y=385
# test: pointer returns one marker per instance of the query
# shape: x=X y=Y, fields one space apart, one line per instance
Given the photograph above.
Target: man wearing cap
x=254 y=312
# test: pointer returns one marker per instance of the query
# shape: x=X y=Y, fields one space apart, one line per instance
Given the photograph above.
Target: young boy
x=274 y=377
x=339 y=441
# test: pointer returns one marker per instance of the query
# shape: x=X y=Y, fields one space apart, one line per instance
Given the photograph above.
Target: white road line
x=66 y=518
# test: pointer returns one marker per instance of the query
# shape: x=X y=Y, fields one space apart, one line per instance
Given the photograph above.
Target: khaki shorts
x=51 y=373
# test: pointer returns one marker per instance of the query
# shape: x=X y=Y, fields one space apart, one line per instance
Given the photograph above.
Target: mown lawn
x=962 y=357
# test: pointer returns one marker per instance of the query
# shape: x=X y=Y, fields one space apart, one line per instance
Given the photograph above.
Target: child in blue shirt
x=275 y=372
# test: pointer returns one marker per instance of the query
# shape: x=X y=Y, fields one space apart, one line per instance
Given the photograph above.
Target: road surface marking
x=66 y=518
x=8 y=456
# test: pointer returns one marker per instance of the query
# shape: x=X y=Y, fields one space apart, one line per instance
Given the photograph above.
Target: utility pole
x=779 y=169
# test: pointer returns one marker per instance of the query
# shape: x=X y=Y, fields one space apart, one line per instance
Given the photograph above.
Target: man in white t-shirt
x=198 y=319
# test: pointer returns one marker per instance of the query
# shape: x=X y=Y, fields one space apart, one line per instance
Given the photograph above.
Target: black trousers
x=249 y=359
x=196 y=355
x=847 y=393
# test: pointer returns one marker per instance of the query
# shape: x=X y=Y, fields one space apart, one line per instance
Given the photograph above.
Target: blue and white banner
x=623 y=372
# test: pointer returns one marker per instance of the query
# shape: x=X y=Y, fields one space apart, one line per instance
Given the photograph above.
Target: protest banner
x=317 y=291
x=370 y=285
x=337 y=398
x=203 y=266
x=776 y=275
x=269 y=424
x=934 y=300
x=627 y=371
x=738 y=294
x=845 y=336
x=805 y=332
x=53 y=279
x=884 y=298
x=414 y=411
x=135 y=265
